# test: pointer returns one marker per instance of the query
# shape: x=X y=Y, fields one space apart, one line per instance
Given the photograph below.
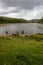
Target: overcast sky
x=27 y=9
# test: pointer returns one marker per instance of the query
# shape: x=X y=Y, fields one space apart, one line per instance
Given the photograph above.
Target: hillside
x=37 y=20
x=12 y=20
x=19 y=20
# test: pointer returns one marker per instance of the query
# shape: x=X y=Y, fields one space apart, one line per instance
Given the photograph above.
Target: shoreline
x=21 y=35
x=3 y=25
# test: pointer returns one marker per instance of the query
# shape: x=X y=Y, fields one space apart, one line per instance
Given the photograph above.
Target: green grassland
x=17 y=50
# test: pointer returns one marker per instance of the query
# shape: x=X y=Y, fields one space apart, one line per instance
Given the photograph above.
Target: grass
x=17 y=50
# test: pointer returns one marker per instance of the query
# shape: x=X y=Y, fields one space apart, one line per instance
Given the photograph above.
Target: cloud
x=7 y=10
x=27 y=9
x=25 y=4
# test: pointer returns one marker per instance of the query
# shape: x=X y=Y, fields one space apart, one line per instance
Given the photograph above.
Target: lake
x=29 y=28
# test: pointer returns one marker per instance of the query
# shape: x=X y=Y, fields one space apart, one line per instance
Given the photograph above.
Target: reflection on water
x=29 y=28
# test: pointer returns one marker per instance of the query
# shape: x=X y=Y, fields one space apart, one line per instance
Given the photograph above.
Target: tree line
x=19 y=20
x=12 y=20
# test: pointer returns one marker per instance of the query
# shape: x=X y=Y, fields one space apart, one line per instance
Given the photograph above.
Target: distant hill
x=37 y=20
x=40 y=20
x=12 y=20
x=18 y=20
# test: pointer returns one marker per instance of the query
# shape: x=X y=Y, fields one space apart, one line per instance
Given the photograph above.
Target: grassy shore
x=17 y=50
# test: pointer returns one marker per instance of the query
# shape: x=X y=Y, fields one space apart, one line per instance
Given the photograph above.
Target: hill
x=19 y=20
x=12 y=20
x=37 y=20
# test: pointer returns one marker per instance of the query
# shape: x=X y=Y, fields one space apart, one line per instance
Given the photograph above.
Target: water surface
x=29 y=28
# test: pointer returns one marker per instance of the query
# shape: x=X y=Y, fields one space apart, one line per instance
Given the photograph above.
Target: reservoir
x=28 y=28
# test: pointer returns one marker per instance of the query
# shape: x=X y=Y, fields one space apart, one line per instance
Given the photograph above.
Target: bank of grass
x=17 y=50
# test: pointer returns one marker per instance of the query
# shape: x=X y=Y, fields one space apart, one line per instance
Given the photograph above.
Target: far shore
x=3 y=25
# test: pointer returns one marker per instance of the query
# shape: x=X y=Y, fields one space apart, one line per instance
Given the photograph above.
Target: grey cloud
x=23 y=4
x=24 y=8
x=40 y=15
x=9 y=10
x=17 y=11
